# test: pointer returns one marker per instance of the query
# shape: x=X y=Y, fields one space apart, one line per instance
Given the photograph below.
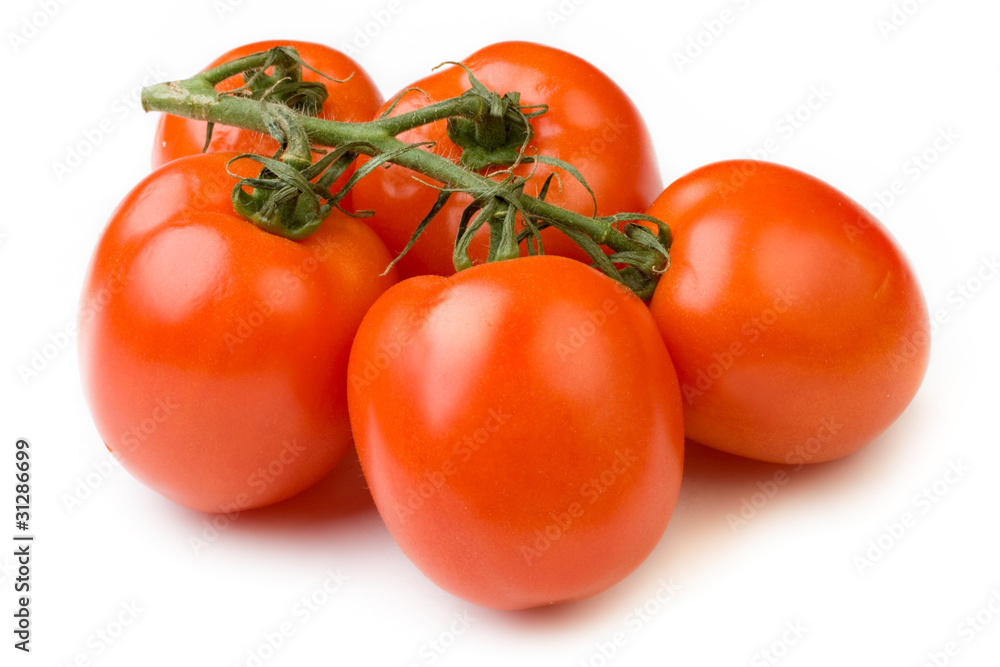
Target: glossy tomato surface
x=591 y=123
x=213 y=354
x=520 y=428
x=356 y=99
x=796 y=325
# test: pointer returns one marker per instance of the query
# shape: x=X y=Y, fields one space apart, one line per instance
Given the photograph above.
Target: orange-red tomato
x=591 y=123
x=213 y=354
x=356 y=99
x=796 y=325
x=519 y=424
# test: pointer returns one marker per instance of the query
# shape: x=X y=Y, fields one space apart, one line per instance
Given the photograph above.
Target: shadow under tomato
x=723 y=495
x=337 y=498
x=714 y=485
x=568 y=616
x=711 y=480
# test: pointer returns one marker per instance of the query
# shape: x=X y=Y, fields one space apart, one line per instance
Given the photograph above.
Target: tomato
x=519 y=424
x=591 y=123
x=796 y=325
x=213 y=354
x=357 y=99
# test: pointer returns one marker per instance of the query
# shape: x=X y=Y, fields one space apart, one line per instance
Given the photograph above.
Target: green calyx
x=497 y=132
x=285 y=85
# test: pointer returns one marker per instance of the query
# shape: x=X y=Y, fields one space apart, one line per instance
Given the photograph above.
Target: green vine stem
x=196 y=98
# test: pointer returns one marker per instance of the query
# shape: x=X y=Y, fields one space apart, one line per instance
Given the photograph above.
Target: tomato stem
x=197 y=98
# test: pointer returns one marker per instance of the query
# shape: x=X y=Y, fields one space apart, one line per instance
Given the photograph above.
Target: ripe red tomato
x=796 y=325
x=213 y=354
x=356 y=99
x=519 y=424
x=591 y=123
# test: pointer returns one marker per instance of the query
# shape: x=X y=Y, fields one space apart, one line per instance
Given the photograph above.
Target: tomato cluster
x=521 y=423
x=590 y=123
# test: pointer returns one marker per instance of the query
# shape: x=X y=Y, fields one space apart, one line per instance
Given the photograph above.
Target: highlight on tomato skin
x=519 y=425
x=591 y=123
x=213 y=354
x=796 y=324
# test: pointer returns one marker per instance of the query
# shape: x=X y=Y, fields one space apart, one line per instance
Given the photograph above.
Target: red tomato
x=356 y=99
x=591 y=123
x=213 y=354
x=520 y=428
x=797 y=328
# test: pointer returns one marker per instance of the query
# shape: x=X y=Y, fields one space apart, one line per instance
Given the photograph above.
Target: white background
x=887 y=96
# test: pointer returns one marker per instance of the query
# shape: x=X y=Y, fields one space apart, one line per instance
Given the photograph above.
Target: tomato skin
x=357 y=99
x=213 y=354
x=591 y=123
x=519 y=425
x=796 y=325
